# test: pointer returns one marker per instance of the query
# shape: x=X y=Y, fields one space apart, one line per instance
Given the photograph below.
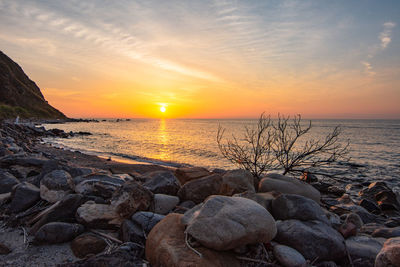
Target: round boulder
x=86 y=244
x=56 y=185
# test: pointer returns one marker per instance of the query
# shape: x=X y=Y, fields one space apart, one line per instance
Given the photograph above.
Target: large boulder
x=163 y=204
x=7 y=182
x=289 y=257
x=313 y=239
x=24 y=196
x=288 y=185
x=101 y=216
x=56 y=185
x=363 y=248
x=287 y=206
x=86 y=244
x=382 y=194
x=130 y=198
x=224 y=223
x=237 y=181
x=146 y=220
x=58 y=232
x=187 y=174
x=162 y=182
x=198 y=190
x=264 y=199
x=166 y=246
x=389 y=254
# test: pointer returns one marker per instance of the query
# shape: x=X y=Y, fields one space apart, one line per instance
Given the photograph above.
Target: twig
x=25 y=237
x=189 y=246
x=43 y=213
x=312 y=263
x=106 y=236
x=252 y=260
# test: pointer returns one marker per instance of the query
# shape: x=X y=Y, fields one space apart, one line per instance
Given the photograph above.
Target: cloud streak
x=385 y=35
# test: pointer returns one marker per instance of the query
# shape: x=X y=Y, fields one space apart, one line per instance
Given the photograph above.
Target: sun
x=163 y=109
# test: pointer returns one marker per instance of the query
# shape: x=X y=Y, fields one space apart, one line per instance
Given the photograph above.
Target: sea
x=374 y=149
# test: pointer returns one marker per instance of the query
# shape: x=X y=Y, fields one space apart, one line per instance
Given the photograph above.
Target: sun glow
x=163 y=109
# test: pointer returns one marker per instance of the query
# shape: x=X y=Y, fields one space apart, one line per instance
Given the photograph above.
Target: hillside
x=20 y=96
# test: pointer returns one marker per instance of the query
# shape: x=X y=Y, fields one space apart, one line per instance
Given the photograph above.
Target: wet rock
x=198 y=190
x=352 y=224
x=56 y=185
x=313 y=239
x=163 y=204
x=4 y=249
x=95 y=215
x=264 y=199
x=237 y=181
x=288 y=185
x=224 y=223
x=336 y=190
x=166 y=246
x=7 y=182
x=393 y=222
x=360 y=211
x=389 y=254
x=130 y=198
x=387 y=200
x=288 y=256
x=188 y=174
x=387 y=232
x=24 y=196
x=22 y=160
x=287 y=206
x=146 y=220
x=58 y=232
x=370 y=206
x=87 y=244
x=162 y=182
x=132 y=232
x=363 y=247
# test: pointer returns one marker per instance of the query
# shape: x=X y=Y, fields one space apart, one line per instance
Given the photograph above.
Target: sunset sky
x=209 y=59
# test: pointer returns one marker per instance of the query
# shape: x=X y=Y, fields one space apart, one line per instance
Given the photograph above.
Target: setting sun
x=163 y=109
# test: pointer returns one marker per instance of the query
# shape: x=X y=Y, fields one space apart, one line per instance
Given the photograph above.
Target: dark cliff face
x=20 y=96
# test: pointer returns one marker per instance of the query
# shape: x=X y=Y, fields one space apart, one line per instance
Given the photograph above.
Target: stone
x=87 y=244
x=93 y=187
x=288 y=185
x=58 y=232
x=146 y=220
x=24 y=196
x=166 y=246
x=184 y=206
x=352 y=224
x=264 y=199
x=287 y=206
x=387 y=200
x=101 y=216
x=389 y=254
x=198 y=190
x=360 y=211
x=363 y=247
x=387 y=232
x=224 y=223
x=56 y=185
x=313 y=239
x=370 y=206
x=130 y=198
x=162 y=182
x=187 y=174
x=4 y=249
x=7 y=182
x=288 y=257
x=237 y=181
x=163 y=204
x=132 y=232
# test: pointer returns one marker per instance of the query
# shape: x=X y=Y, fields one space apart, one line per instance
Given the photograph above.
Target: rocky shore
x=65 y=208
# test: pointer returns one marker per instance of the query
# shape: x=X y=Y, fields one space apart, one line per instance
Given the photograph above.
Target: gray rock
x=313 y=239
x=58 y=232
x=224 y=223
x=94 y=187
x=7 y=182
x=288 y=257
x=95 y=215
x=288 y=185
x=56 y=185
x=146 y=220
x=163 y=204
x=237 y=181
x=87 y=244
x=132 y=232
x=24 y=196
x=363 y=247
x=387 y=232
x=198 y=190
x=162 y=182
x=287 y=206
x=389 y=254
x=187 y=174
x=264 y=199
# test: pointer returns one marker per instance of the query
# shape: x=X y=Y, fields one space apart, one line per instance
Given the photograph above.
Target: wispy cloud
x=368 y=68
x=385 y=35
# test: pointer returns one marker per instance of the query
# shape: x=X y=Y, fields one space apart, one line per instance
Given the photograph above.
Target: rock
x=369 y=206
x=130 y=198
x=198 y=190
x=224 y=223
x=87 y=244
x=188 y=174
x=166 y=246
x=389 y=254
x=95 y=215
x=4 y=249
x=381 y=192
x=363 y=247
x=288 y=185
x=360 y=211
x=237 y=181
x=56 y=185
x=287 y=206
x=336 y=190
x=387 y=232
x=264 y=199
x=184 y=206
x=351 y=225
x=288 y=257
x=162 y=182
x=58 y=232
x=93 y=187
x=7 y=182
x=146 y=220
x=163 y=204
x=24 y=196
x=313 y=239
x=132 y=232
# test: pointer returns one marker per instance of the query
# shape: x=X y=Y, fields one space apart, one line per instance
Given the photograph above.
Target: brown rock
x=166 y=246
x=4 y=249
x=390 y=253
x=185 y=175
x=198 y=190
x=237 y=181
x=87 y=244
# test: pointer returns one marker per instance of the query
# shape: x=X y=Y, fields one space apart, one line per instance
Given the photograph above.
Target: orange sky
x=211 y=59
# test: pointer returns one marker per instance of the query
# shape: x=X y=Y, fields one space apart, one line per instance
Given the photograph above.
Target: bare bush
x=268 y=146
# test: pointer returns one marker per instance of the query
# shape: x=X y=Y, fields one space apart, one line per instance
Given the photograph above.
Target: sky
x=209 y=58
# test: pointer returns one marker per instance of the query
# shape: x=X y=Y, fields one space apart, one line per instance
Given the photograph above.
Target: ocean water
x=374 y=144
